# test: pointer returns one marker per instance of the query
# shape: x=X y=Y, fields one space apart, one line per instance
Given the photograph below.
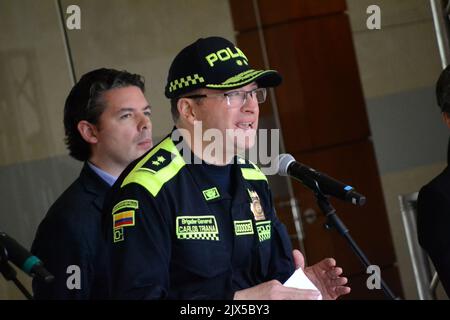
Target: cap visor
x=264 y=78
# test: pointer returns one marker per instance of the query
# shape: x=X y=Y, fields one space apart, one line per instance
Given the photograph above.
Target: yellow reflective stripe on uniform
x=166 y=144
x=253 y=174
x=153 y=181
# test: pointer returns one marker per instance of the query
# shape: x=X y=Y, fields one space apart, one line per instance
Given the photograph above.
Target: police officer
x=191 y=219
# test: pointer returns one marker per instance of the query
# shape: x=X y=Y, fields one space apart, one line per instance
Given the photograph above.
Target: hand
x=324 y=275
x=274 y=290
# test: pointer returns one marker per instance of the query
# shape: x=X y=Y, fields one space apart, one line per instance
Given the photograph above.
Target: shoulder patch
x=159 y=160
x=158 y=167
x=250 y=171
x=126 y=204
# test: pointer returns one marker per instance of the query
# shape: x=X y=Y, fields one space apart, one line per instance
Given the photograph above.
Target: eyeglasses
x=236 y=99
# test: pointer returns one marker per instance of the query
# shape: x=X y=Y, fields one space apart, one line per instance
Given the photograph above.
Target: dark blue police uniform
x=175 y=233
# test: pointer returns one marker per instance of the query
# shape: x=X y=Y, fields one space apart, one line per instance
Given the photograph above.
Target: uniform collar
x=203 y=180
x=206 y=185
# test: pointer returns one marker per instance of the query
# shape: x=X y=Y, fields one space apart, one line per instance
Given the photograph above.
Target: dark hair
x=174 y=103
x=443 y=90
x=84 y=103
x=174 y=109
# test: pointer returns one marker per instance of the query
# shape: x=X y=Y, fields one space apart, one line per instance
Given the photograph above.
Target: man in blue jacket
x=107 y=125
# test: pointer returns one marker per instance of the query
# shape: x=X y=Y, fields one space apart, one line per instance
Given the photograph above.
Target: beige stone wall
x=34 y=81
x=143 y=37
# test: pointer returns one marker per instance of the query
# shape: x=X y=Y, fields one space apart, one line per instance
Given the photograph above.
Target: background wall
x=398 y=65
x=140 y=36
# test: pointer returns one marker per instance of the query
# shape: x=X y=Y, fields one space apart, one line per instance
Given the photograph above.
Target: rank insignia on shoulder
x=255 y=206
x=159 y=160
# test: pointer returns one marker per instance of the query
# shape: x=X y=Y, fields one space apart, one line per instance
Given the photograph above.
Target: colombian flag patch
x=123 y=219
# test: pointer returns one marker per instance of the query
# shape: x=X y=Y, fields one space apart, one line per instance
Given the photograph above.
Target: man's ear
x=88 y=131
x=186 y=110
x=446 y=118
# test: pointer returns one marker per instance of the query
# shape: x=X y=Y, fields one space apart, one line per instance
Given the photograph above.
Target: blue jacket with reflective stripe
x=173 y=233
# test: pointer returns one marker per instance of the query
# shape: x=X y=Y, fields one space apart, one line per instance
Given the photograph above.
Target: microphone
x=24 y=259
x=313 y=179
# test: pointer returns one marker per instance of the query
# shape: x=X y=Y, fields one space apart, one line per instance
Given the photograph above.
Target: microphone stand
x=10 y=274
x=333 y=221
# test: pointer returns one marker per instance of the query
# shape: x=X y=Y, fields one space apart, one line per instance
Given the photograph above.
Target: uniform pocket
x=204 y=258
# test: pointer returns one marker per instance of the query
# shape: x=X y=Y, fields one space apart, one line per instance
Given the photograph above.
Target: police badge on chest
x=256 y=207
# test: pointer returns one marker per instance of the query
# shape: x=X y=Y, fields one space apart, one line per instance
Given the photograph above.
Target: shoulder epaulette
x=250 y=171
x=159 y=166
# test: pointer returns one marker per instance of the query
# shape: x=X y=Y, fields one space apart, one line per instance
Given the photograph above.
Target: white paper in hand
x=299 y=280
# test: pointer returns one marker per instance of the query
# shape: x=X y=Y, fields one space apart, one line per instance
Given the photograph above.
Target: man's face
x=242 y=122
x=124 y=130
